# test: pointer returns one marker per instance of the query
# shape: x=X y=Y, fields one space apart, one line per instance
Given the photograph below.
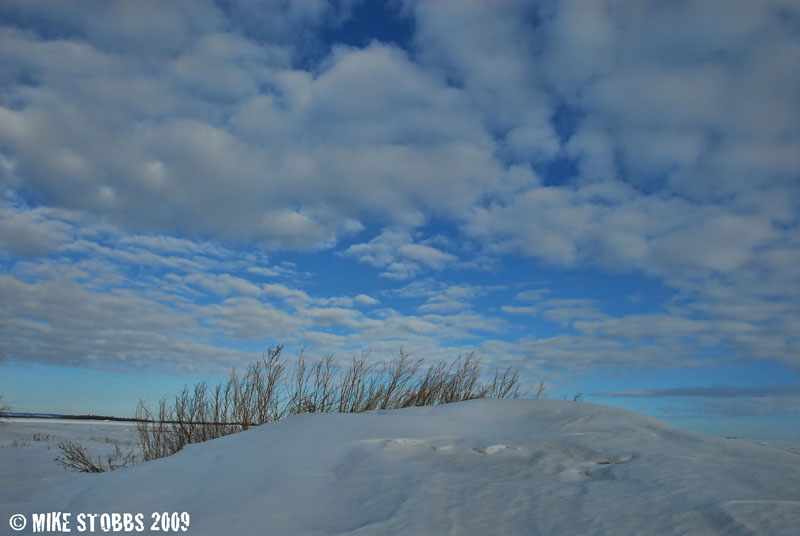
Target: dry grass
x=266 y=392
x=4 y=408
x=75 y=456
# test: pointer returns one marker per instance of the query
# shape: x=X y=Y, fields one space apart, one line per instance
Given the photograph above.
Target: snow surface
x=28 y=448
x=478 y=467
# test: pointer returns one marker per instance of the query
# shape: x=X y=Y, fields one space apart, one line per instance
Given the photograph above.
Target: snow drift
x=477 y=467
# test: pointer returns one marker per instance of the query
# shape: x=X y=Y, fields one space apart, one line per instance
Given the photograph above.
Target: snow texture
x=478 y=467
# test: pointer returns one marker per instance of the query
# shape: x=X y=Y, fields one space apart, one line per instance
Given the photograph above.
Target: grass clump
x=76 y=457
x=5 y=407
x=268 y=392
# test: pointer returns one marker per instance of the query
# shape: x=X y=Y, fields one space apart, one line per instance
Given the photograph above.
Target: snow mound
x=478 y=467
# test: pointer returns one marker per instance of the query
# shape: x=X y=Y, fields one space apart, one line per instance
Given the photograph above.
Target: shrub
x=74 y=456
x=264 y=394
x=4 y=408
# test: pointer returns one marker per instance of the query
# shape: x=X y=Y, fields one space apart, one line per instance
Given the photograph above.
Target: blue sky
x=606 y=194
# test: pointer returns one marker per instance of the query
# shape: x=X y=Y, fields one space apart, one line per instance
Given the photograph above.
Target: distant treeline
x=17 y=415
x=99 y=418
x=92 y=417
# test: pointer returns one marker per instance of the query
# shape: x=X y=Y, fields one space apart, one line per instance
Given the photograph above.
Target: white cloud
x=327 y=316
x=30 y=233
x=120 y=329
x=486 y=49
x=292 y=296
x=426 y=255
x=443 y=306
x=154 y=138
x=721 y=242
x=533 y=294
x=223 y=284
x=542 y=222
x=561 y=311
x=395 y=250
x=300 y=157
x=187 y=294
x=653 y=234
x=364 y=300
x=249 y=318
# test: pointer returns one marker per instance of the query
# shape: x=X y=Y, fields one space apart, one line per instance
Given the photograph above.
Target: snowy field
x=479 y=467
x=28 y=448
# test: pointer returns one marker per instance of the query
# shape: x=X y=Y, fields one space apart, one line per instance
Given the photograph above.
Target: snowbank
x=479 y=467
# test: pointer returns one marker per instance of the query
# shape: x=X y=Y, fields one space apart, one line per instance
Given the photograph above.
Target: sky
x=605 y=194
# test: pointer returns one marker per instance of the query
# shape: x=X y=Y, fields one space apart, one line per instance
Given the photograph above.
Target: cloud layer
x=156 y=161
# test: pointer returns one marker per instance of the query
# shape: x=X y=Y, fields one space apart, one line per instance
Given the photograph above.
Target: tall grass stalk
x=266 y=392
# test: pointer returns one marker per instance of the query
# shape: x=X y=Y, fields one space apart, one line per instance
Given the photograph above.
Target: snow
x=478 y=467
x=29 y=447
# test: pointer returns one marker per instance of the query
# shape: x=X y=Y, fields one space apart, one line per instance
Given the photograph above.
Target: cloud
x=543 y=222
x=561 y=311
x=300 y=156
x=718 y=391
x=612 y=227
x=486 y=49
x=443 y=305
x=364 y=300
x=755 y=406
x=722 y=401
x=251 y=319
x=293 y=296
x=30 y=233
x=150 y=156
x=674 y=176
x=304 y=156
x=118 y=330
x=221 y=284
x=159 y=303
x=186 y=294
x=674 y=102
x=426 y=255
x=395 y=250
x=326 y=316
x=533 y=295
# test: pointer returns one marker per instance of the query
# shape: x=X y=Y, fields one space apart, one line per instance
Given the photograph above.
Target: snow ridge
x=477 y=467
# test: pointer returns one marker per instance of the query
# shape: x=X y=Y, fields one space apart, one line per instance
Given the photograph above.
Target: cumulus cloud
x=674 y=177
x=364 y=300
x=559 y=310
x=251 y=319
x=487 y=49
x=395 y=250
x=161 y=303
x=29 y=234
x=149 y=147
x=230 y=126
x=119 y=330
x=304 y=156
